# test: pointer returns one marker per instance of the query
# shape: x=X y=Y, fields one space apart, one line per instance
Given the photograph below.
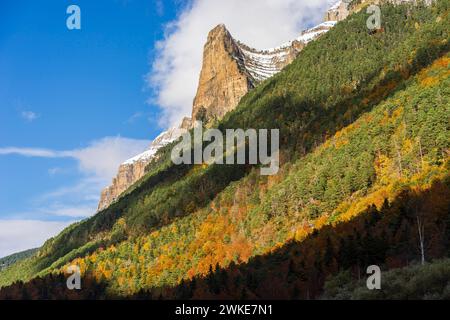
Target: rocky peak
x=223 y=80
x=186 y=123
x=337 y=12
x=218 y=32
x=231 y=68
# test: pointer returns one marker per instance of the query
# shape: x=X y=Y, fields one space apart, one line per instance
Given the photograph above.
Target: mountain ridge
x=230 y=70
x=189 y=221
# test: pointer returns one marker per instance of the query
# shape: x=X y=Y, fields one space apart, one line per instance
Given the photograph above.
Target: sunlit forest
x=364 y=179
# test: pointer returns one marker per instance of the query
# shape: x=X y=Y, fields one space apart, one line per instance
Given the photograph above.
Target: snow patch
x=160 y=141
x=263 y=64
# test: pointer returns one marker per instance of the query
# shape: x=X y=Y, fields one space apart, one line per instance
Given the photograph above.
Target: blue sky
x=67 y=90
x=74 y=104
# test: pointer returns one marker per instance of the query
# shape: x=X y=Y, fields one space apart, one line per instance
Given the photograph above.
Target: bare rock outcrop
x=339 y=11
x=135 y=168
x=230 y=69
x=223 y=80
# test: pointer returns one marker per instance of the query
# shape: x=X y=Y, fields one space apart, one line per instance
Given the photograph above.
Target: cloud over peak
x=258 y=23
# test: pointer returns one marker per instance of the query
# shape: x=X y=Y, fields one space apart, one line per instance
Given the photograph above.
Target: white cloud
x=19 y=235
x=258 y=23
x=100 y=159
x=103 y=157
x=97 y=163
x=78 y=200
x=134 y=117
x=29 y=116
x=84 y=189
x=31 y=152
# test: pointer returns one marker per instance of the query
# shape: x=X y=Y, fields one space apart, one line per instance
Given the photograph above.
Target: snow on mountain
x=254 y=66
x=313 y=33
x=263 y=64
x=336 y=5
x=160 y=141
x=135 y=168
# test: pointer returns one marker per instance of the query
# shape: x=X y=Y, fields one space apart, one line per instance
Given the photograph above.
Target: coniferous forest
x=364 y=180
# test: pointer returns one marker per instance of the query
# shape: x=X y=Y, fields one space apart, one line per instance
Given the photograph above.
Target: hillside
x=5 y=262
x=230 y=69
x=429 y=282
x=364 y=123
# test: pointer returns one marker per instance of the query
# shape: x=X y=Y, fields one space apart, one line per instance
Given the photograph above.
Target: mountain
x=337 y=12
x=364 y=154
x=135 y=168
x=230 y=69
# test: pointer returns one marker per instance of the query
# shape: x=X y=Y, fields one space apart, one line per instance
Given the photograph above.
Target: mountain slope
x=416 y=282
x=5 y=262
x=353 y=170
x=333 y=81
x=230 y=69
x=381 y=231
x=133 y=169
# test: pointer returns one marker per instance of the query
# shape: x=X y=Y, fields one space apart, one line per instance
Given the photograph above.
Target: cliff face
x=223 y=80
x=127 y=175
x=342 y=9
x=357 y=5
x=339 y=11
x=230 y=69
x=133 y=169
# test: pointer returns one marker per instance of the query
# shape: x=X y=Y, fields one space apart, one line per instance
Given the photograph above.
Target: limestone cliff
x=339 y=11
x=133 y=169
x=223 y=80
x=230 y=69
x=357 y=5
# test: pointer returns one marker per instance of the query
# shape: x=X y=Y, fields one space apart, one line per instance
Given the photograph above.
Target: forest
x=365 y=142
